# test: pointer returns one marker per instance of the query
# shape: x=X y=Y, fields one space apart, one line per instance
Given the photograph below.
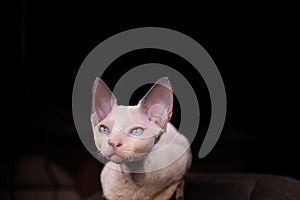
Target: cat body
x=148 y=156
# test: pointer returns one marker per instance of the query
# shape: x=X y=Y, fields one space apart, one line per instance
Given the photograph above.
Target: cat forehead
x=126 y=115
x=125 y=110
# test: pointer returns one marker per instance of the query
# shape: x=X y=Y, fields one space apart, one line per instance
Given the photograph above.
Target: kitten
x=148 y=157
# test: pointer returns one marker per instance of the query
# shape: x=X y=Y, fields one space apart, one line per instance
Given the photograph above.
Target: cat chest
x=140 y=186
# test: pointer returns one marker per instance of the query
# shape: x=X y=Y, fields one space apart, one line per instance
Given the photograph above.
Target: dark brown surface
x=238 y=186
x=241 y=186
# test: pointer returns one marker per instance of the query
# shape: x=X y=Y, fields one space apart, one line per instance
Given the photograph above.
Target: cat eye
x=137 y=131
x=103 y=129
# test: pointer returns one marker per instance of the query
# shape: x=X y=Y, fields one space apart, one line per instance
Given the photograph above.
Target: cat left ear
x=102 y=101
x=157 y=104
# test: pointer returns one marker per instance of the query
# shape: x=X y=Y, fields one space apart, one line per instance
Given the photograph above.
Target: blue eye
x=137 y=131
x=103 y=129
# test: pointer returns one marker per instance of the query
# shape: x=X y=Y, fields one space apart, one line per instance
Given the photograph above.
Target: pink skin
x=146 y=166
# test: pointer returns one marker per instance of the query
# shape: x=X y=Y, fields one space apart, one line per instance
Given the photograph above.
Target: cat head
x=128 y=133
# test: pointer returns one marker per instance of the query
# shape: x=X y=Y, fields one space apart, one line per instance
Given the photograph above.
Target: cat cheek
x=145 y=146
x=99 y=140
x=98 y=144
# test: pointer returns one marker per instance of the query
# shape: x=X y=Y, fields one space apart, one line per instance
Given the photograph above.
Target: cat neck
x=134 y=171
x=137 y=166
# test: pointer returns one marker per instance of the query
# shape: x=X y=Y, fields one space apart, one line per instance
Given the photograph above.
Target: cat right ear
x=102 y=101
x=157 y=104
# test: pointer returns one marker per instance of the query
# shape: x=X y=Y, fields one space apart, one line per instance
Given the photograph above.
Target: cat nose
x=114 y=144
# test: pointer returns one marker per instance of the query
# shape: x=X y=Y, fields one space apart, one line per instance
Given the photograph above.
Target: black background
x=255 y=50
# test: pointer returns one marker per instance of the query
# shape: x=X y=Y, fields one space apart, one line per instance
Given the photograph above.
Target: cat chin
x=120 y=160
x=123 y=159
x=117 y=159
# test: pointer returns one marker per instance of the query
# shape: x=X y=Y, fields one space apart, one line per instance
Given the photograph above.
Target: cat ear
x=102 y=101
x=157 y=104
